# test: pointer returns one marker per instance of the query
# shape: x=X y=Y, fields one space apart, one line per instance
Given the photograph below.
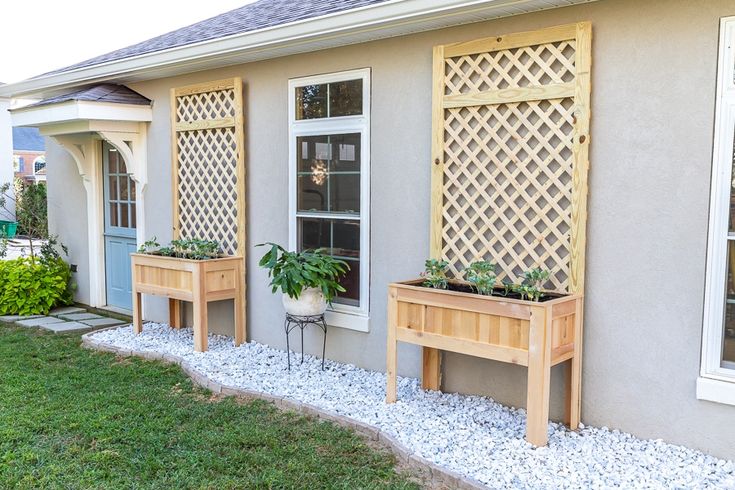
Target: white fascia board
x=392 y=18
x=80 y=111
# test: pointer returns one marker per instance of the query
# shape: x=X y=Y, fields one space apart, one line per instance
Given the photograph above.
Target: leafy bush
x=435 y=273
x=482 y=276
x=184 y=248
x=292 y=272
x=34 y=285
x=31 y=210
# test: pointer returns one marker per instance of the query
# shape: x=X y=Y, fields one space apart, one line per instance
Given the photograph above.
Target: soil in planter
x=497 y=292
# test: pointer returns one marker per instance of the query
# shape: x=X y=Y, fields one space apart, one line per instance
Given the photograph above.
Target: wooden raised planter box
x=537 y=335
x=198 y=281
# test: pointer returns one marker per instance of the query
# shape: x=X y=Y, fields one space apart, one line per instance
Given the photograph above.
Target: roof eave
x=378 y=21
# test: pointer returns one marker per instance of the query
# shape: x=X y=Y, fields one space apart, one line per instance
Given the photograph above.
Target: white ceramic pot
x=311 y=302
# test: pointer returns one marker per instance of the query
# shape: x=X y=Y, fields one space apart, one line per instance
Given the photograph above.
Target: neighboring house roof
x=105 y=92
x=28 y=139
x=255 y=16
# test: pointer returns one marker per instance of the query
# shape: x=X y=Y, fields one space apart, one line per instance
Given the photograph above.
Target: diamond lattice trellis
x=510 y=155
x=209 y=165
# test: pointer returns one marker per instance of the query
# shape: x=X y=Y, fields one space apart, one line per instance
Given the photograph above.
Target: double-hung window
x=717 y=375
x=329 y=180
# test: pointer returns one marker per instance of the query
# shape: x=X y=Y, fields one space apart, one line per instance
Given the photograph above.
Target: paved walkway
x=64 y=320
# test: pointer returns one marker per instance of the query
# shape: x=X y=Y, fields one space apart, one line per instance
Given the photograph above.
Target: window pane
x=113 y=188
x=341 y=238
x=346 y=152
x=312 y=192
x=124 y=222
x=345 y=98
x=113 y=214
x=314 y=233
x=131 y=183
x=335 y=153
x=344 y=193
x=728 y=348
x=133 y=221
x=311 y=102
x=346 y=238
x=732 y=194
x=123 y=188
x=112 y=158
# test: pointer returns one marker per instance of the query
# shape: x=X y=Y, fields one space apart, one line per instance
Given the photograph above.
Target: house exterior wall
x=26 y=172
x=653 y=97
x=6 y=154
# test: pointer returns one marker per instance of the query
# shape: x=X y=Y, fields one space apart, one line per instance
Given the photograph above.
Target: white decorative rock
x=472 y=436
x=311 y=302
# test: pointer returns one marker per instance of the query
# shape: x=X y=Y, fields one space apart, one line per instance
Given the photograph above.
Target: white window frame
x=339 y=315
x=716 y=382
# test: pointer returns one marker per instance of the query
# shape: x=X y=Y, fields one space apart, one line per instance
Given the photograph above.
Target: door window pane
x=113 y=187
x=124 y=221
x=133 y=221
x=113 y=214
x=124 y=187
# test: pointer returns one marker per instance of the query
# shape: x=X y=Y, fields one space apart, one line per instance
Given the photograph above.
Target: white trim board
x=383 y=20
x=716 y=382
x=339 y=315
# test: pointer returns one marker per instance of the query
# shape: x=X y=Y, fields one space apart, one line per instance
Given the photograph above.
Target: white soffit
x=389 y=19
x=75 y=111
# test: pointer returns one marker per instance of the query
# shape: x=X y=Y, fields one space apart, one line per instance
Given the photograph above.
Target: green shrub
x=31 y=210
x=435 y=273
x=33 y=285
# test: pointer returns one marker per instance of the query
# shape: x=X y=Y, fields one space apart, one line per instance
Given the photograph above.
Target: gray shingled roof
x=255 y=16
x=28 y=139
x=105 y=92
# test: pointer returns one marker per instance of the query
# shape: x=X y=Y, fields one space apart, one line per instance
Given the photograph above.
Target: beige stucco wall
x=654 y=66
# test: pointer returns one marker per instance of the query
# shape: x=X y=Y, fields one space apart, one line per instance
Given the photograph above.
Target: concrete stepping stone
x=67 y=310
x=103 y=322
x=79 y=316
x=15 y=318
x=38 y=322
x=65 y=327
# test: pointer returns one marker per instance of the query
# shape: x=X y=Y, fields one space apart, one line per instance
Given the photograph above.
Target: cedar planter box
x=537 y=335
x=198 y=281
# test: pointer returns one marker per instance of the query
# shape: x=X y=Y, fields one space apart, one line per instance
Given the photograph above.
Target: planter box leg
x=431 y=377
x=574 y=378
x=174 y=313
x=239 y=320
x=392 y=349
x=539 y=377
x=137 y=313
x=200 y=326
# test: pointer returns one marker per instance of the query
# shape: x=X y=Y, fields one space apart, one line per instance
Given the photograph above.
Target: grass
x=73 y=418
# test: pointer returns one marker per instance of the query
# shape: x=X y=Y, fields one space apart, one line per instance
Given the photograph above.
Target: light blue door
x=119 y=197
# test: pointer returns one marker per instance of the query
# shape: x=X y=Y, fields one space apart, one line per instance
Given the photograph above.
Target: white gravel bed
x=471 y=435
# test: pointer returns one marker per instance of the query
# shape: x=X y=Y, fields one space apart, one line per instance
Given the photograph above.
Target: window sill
x=716 y=390
x=359 y=323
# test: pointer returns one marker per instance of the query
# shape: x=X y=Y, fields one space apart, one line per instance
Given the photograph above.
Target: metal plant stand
x=293 y=321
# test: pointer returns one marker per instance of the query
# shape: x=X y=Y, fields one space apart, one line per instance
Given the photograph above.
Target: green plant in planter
x=292 y=272
x=533 y=281
x=183 y=248
x=435 y=273
x=481 y=275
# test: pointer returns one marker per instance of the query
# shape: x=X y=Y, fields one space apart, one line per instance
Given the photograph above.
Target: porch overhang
x=76 y=116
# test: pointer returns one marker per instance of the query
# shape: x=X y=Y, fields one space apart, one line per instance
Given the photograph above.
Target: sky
x=43 y=35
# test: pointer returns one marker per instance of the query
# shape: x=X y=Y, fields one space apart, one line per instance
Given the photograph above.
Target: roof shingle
x=255 y=16
x=105 y=92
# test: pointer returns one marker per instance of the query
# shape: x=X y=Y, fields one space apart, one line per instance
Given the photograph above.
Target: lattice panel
x=519 y=67
x=510 y=146
x=209 y=163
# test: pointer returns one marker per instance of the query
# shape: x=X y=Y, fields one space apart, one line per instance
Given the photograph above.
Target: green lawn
x=73 y=418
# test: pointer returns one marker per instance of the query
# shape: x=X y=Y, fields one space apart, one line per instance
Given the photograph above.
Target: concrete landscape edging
x=432 y=474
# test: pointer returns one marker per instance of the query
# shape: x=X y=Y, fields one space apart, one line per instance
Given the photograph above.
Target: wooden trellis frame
x=510 y=153
x=510 y=159
x=208 y=160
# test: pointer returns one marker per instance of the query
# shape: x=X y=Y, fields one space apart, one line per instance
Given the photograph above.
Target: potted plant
x=307 y=279
x=189 y=269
